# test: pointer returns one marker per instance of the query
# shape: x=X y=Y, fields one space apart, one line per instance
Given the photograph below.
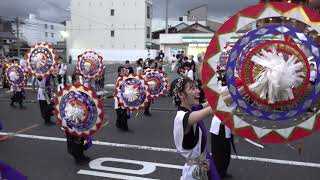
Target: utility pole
x=167 y=10
x=18 y=35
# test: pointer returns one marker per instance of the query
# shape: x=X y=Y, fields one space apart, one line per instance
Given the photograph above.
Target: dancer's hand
x=206 y=165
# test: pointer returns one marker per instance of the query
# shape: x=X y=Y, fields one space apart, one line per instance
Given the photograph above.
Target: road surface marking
x=109 y=85
x=274 y=161
x=111 y=175
x=98 y=165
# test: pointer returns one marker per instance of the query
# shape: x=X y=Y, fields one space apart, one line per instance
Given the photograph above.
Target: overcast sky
x=56 y=10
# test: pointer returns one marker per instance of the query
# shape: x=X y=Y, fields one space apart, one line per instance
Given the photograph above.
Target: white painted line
x=96 y=142
x=23 y=88
x=109 y=85
x=277 y=161
x=135 y=147
x=36 y=137
x=102 y=92
x=150 y=148
x=111 y=175
x=168 y=166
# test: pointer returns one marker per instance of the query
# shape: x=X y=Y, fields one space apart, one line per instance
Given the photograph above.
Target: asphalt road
x=146 y=153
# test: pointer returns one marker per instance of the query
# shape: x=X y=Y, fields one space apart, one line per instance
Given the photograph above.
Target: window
x=148 y=32
x=148 y=12
x=52 y=35
x=52 y=27
x=112 y=12
x=112 y=33
x=46 y=26
x=46 y=34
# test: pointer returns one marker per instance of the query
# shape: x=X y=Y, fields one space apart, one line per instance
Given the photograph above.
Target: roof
x=192 y=27
x=214 y=25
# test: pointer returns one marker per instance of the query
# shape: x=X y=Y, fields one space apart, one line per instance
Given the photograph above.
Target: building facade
x=7 y=38
x=33 y=30
x=192 y=34
x=192 y=39
x=198 y=14
x=113 y=25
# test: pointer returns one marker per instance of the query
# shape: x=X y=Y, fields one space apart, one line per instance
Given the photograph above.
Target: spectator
x=188 y=70
x=178 y=56
x=62 y=74
x=193 y=66
x=173 y=62
x=161 y=55
x=180 y=71
x=139 y=66
x=128 y=67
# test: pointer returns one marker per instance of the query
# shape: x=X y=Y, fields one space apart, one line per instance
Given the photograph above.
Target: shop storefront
x=192 y=44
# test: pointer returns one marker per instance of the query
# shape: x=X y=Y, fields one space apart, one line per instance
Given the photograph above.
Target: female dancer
x=189 y=136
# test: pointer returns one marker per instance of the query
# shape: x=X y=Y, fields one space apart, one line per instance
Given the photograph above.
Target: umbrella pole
x=10 y=135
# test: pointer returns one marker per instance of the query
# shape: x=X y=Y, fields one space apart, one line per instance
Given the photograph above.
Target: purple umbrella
x=8 y=173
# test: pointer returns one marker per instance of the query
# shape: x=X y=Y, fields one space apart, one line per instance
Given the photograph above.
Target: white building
x=117 y=29
x=34 y=30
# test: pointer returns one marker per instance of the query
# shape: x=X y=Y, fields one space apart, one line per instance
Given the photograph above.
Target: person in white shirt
x=173 y=62
x=122 y=115
x=139 y=68
x=44 y=101
x=313 y=74
x=61 y=74
x=23 y=63
x=152 y=65
x=221 y=139
x=188 y=70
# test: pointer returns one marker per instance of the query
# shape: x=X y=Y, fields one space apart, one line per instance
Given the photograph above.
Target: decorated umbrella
x=268 y=97
x=157 y=82
x=79 y=111
x=90 y=65
x=41 y=60
x=9 y=173
x=132 y=92
x=15 y=75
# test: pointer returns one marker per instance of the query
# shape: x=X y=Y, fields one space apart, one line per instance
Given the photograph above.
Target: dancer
x=122 y=116
x=76 y=146
x=44 y=102
x=189 y=137
x=18 y=96
x=152 y=65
